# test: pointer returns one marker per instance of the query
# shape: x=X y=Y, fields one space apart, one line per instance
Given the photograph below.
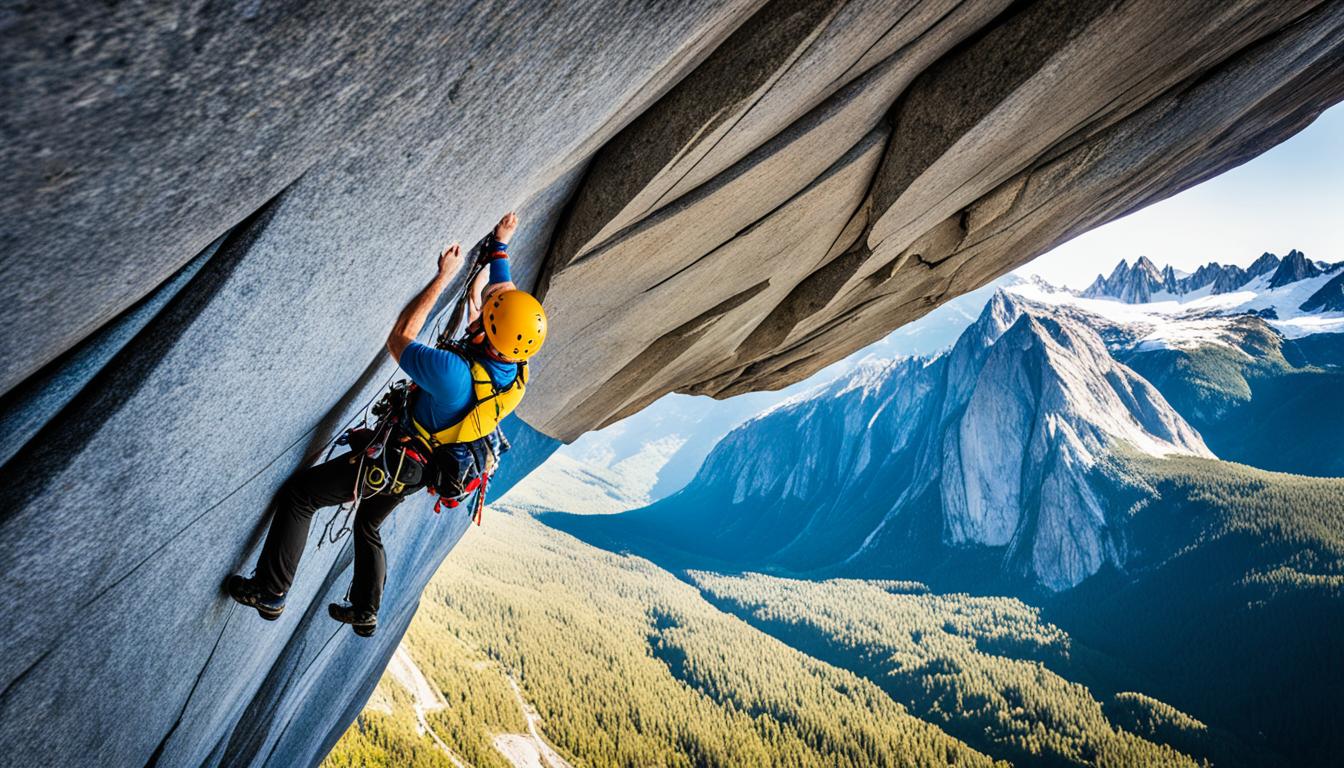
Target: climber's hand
x=506 y=227
x=450 y=260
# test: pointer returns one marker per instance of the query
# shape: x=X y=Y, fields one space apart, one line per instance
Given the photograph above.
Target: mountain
x=1250 y=370
x=993 y=442
x=1330 y=298
x=1266 y=263
x=1255 y=396
x=1135 y=284
x=697 y=423
x=1228 y=279
x=1295 y=266
x=1144 y=282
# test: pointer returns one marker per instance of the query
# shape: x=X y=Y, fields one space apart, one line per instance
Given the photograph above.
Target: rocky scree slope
x=211 y=213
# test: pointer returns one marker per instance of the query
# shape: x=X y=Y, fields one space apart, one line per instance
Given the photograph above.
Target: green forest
x=1214 y=647
x=628 y=664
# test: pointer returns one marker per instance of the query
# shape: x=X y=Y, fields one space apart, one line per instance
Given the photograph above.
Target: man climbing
x=459 y=396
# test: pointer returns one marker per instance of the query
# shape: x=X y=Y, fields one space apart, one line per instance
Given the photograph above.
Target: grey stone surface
x=1048 y=120
x=358 y=154
x=718 y=196
x=1204 y=125
x=136 y=135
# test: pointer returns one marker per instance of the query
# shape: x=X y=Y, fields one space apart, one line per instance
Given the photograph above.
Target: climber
x=459 y=395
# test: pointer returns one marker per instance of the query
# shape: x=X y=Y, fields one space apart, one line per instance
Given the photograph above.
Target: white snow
x=1184 y=321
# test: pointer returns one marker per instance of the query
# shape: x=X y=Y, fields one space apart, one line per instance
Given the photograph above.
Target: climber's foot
x=364 y=622
x=248 y=592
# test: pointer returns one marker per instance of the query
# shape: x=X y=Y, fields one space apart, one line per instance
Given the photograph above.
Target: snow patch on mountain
x=1192 y=318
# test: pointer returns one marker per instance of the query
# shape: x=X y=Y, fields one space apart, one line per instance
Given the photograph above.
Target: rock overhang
x=768 y=229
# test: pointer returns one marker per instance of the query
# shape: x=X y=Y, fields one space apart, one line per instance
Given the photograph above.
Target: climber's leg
x=302 y=494
x=366 y=588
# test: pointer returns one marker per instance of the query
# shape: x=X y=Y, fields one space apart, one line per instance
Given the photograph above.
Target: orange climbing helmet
x=515 y=324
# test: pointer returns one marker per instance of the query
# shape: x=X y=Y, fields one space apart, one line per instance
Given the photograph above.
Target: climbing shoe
x=250 y=593
x=363 y=622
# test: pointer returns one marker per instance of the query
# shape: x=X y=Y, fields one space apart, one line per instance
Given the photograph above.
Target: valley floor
x=628 y=664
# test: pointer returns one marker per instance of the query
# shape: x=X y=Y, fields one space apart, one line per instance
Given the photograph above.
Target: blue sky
x=1289 y=197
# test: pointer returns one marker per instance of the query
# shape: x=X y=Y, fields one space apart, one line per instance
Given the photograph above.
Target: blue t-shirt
x=444 y=378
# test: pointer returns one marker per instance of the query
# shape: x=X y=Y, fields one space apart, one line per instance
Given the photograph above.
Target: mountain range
x=997 y=444
x=1144 y=282
x=990 y=445
x=1107 y=459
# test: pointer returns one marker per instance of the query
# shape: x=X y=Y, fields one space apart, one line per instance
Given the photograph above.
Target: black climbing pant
x=299 y=498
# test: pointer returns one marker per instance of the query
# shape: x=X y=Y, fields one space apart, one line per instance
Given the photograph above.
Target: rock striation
x=211 y=212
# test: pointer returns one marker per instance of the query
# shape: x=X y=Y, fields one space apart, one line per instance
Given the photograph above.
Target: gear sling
x=462 y=456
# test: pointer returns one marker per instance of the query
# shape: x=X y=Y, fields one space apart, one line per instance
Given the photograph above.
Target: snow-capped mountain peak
x=1145 y=282
x=1292 y=294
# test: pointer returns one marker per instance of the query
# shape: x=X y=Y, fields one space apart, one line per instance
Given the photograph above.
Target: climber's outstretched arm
x=497 y=278
x=413 y=317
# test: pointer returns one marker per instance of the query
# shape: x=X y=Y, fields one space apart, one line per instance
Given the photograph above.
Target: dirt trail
x=425 y=698
x=528 y=750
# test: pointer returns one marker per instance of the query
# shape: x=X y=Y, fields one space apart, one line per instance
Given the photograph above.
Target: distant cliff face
x=211 y=213
x=991 y=445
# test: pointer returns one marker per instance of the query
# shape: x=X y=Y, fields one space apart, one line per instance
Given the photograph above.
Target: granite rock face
x=1031 y=124
x=211 y=213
